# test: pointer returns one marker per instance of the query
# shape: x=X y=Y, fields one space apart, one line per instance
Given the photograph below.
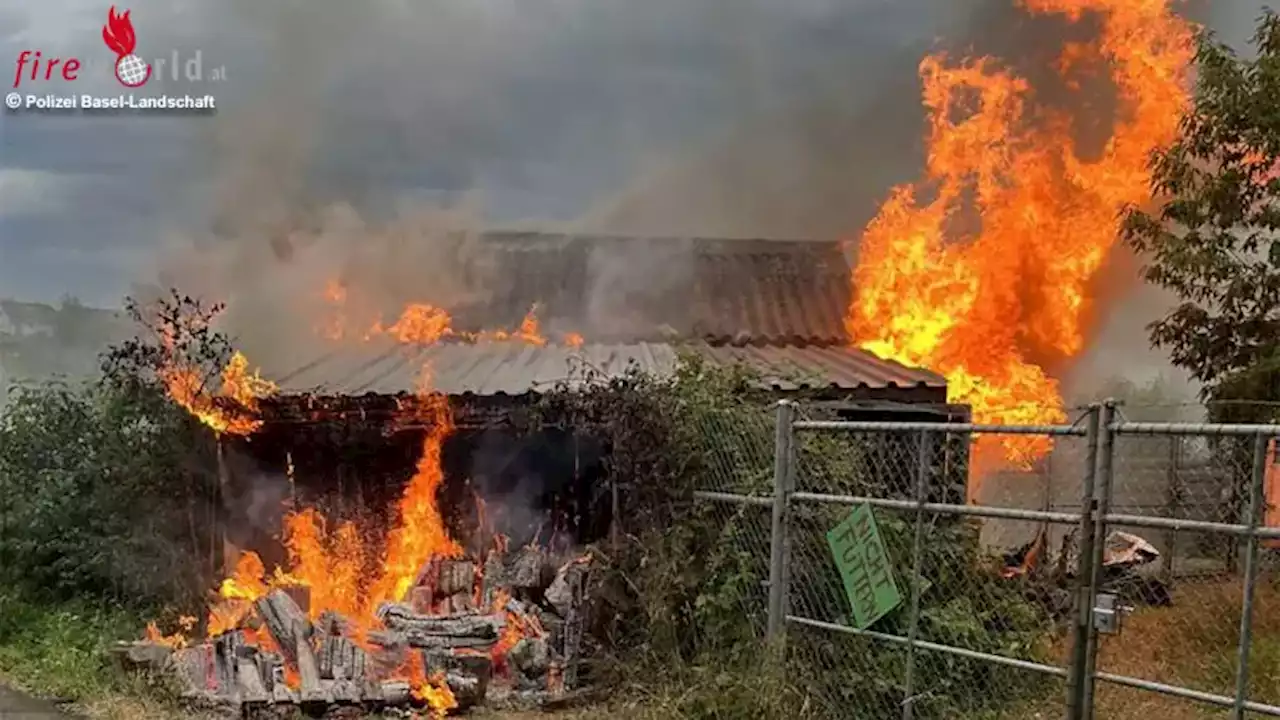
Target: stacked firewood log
x=514 y=622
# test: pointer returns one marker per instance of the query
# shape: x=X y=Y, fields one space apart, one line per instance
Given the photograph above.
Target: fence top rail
x=943 y=508
x=1137 y=428
x=854 y=426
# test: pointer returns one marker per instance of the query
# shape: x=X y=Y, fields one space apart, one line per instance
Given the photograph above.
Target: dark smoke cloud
x=542 y=109
x=353 y=135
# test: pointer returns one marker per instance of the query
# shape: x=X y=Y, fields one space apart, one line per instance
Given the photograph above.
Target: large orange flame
x=331 y=561
x=420 y=533
x=993 y=307
x=186 y=385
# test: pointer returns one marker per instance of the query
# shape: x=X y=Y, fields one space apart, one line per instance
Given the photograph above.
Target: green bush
x=103 y=497
x=109 y=489
x=696 y=571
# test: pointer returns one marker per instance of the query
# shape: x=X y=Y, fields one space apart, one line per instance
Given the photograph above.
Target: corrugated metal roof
x=775 y=294
x=511 y=368
x=633 y=289
x=495 y=368
x=811 y=367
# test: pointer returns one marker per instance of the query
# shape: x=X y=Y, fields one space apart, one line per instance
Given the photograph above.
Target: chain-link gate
x=1015 y=598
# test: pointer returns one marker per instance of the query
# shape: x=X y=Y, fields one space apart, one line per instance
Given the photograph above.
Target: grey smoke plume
x=353 y=136
x=368 y=135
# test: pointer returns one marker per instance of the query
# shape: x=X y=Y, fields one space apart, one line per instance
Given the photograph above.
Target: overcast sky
x=547 y=108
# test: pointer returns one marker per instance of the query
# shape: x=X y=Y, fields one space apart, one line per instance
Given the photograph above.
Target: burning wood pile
x=408 y=619
x=512 y=625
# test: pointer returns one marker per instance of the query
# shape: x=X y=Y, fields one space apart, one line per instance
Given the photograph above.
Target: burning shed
x=412 y=518
x=571 y=309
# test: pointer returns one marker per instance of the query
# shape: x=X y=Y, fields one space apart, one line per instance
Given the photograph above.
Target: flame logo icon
x=118 y=34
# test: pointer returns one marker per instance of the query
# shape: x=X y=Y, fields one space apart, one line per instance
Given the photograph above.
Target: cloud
x=544 y=108
x=27 y=192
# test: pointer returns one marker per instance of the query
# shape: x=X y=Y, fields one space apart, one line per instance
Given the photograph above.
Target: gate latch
x=1108 y=613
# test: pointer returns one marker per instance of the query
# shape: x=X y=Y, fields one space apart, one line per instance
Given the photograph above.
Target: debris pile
x=461 y=629
x=1130 y=569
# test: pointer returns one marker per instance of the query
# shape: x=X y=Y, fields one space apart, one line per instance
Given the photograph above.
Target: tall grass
x=60 y=651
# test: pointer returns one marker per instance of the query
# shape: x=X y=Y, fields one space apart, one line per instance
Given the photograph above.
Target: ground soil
x=17 y=706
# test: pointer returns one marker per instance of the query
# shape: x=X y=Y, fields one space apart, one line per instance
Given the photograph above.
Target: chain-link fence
x=1124 y=571
x=738 y=497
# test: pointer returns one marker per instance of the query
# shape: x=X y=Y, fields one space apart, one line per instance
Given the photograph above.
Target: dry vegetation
x=1189 y=644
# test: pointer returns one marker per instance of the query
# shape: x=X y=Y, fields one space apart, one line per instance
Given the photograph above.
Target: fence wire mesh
x=1185 y=630
x=971 y=597
x=738 y=451
x=989 y=565
x=738 y=457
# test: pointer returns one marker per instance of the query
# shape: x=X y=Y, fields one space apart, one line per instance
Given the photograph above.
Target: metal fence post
x=1173 y=508
x=1084 y=573
x=783 y=477
x=1250 y=573
x=925 y=463
x=1102 y=506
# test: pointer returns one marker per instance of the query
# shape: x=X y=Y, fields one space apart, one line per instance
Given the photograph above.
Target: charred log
x=284 y=620
x=332 y=623
x=347 y=692
x=340 y=659
x=456 y=576
x=421 y=600
x=312 y=690
x=495 y=579
x=226 y=660
x=467 y=674
x=270 y=669
x=141 y=656
x=531 y=656
x=249 y=682
x=458 y=603
x=427 y=577
x=395 y=692
x=403 y=619
x=531 y=570
x=565 y=590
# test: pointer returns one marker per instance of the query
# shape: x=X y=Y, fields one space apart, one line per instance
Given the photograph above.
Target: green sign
x=864 y=565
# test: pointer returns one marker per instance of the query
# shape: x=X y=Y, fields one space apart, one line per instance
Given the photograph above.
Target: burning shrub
x=117 y=483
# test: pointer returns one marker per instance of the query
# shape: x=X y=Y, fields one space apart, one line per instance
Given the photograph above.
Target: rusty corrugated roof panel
x=633 y=289
x=771 y=293
x=812 y=367
x=511 y=368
